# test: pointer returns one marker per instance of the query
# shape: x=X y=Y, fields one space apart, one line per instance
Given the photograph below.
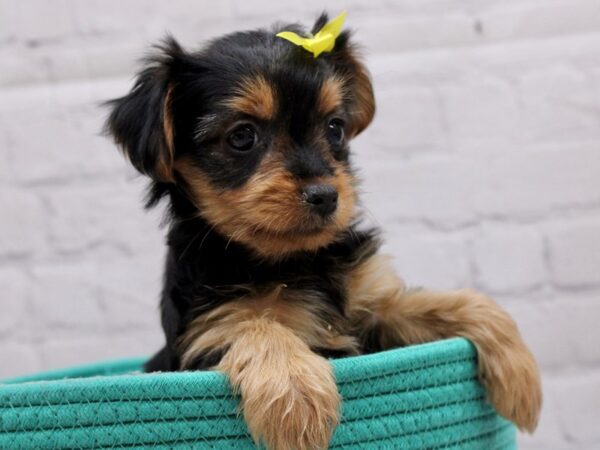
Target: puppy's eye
x=242 y=138
x=335 y=131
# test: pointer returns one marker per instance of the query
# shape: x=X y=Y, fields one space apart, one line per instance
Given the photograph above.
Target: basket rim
x=347 y=370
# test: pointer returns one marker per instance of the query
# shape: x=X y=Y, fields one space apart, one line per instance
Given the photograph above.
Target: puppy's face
x=255 y=132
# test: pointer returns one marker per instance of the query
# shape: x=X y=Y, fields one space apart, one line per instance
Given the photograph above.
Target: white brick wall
x=483 y=166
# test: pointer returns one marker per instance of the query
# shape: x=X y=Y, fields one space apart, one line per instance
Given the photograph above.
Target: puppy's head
x=254 y=131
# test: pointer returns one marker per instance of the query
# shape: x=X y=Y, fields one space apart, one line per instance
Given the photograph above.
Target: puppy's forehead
x=255 y=96
x=286 y=93
x=267 y=77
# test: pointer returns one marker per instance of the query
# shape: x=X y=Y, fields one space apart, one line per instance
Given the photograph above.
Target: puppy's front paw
x=511 y=377
x=507 y=367
x=293 y=408
x=288 y=393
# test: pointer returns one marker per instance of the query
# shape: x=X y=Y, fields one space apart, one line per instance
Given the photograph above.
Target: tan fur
x=303 y=312
x=379 y=301
x=288 y=393
x=164 y=167
x=362 y=108
x=254 y=97
x=331 y=95
x=268 y=213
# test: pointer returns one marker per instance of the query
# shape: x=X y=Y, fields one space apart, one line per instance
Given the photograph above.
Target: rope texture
x=420 y=397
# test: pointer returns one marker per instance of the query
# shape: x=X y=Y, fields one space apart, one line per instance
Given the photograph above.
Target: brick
x=19 y=67
x=540 y=19
x=112 y=17
x=549 y=433
x=6 y=175
x=509 y=260
x=417 y=120
x=400 y=33
x=531 y=183
x=595 y=76
x=8 y=23
x=437 y=191
x=67 y=296
x=18 y=359
x=562 y=331
x=15 y=293
x=23 y=66
x=291 y=11
x=130 y=289
x=582 y=319
x=38 y=101
x=185 y=13
x=557 y=105
x=510 y=60
x=21 y=229
x=36 y=27
x=481 y=110
x=57 y=353
x=575 y=253
x=100 y=292
x=62 y=139
x=579 y=400
x=140 y=18
x=62 y=148
x=548 y=331
x=84 y=216
x=427 y=261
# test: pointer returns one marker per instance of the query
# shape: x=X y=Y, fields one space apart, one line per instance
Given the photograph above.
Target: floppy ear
x=360 y=90
x=141 y=122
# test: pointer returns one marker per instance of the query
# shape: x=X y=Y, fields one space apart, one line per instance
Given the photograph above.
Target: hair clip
x=323 y=41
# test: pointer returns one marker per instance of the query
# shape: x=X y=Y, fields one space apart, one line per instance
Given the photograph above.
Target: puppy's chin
x=277 y=245
x=272 y=237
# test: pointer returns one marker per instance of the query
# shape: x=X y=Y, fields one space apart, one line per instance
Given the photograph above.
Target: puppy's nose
x=322 y=198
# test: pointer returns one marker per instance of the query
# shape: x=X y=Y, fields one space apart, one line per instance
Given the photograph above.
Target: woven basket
x=421 y=397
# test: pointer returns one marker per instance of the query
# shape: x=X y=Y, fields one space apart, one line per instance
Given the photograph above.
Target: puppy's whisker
x=186 y=249
x=366 y=211
x=186 y=219
x=205 y=236
x=232 y=237
x=203 y=126
x=189 y=198
x=353 y=235
x=268 y=226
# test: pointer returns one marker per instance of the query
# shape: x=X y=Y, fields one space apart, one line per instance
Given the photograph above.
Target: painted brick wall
x=483 y=166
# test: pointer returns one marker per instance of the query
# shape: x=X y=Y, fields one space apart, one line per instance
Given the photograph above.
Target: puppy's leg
x=385 y=312
x=288 y=393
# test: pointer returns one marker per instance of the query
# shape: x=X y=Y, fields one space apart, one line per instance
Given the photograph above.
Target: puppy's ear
x=320 y=22
x=141 y=122
x=346 y=61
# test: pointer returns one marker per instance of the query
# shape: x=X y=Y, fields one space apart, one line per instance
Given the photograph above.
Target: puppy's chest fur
x=212 y=287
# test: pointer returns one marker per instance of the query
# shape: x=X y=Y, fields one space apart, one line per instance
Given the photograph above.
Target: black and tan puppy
x=267 y=273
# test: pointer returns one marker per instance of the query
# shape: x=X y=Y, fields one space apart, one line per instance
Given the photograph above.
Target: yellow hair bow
x=323 y=41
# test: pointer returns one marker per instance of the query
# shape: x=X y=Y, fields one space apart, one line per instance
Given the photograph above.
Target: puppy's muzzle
x=321 y=198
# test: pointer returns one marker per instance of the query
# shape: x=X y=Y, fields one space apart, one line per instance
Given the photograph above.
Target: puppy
x=267 y=273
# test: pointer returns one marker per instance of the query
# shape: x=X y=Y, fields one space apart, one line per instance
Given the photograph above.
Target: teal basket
x=420 y=397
